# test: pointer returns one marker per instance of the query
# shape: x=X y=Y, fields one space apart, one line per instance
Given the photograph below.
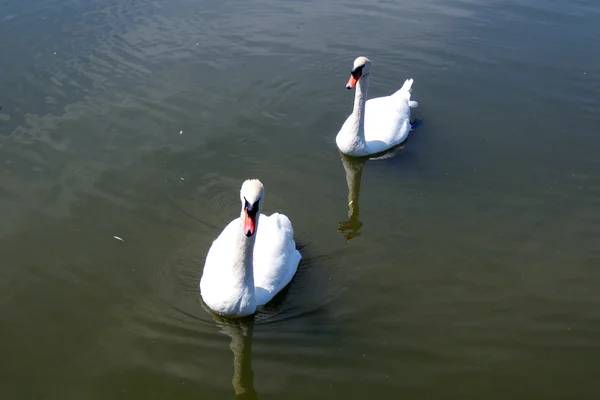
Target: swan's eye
x=252 y=208
x=357 y=72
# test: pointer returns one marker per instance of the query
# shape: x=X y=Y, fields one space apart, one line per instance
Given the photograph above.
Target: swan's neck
x=360 y=98
x=243 y=268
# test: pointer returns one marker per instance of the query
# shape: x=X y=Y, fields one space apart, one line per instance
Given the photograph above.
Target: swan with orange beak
x=252 y=260
x=378 y=124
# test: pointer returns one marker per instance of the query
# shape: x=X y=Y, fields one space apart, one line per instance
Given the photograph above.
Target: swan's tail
x=405 y=92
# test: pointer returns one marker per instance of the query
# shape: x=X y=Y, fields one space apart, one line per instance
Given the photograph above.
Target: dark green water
x=473 y=266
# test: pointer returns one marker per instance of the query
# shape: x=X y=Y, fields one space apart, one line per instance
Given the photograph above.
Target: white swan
x=246 y=266
x=378 y=124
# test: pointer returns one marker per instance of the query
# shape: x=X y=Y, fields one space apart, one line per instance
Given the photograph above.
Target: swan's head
x=252 y=195
x=361 y=67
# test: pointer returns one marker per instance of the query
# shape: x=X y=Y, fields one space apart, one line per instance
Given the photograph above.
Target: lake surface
x=465 y=266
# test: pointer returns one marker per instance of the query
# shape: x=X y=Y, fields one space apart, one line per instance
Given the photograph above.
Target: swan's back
x=387 y=119
x=275 y=256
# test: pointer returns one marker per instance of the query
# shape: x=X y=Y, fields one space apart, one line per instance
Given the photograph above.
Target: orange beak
x=351 y=82
x=249 y=223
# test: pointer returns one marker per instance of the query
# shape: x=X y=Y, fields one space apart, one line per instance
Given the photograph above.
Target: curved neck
x=243 y=267
x=360 y=98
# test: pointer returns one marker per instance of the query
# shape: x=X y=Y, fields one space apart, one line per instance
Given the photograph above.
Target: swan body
x=378 y=124
x=246 y=266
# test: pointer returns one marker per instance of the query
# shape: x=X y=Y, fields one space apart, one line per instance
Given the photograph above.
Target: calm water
x=470 y=270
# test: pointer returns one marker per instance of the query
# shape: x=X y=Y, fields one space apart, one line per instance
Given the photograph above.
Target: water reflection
x=354 y=169
x=240 y=331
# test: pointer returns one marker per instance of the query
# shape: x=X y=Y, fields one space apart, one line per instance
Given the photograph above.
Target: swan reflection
x=240 y=331
x=354 y=169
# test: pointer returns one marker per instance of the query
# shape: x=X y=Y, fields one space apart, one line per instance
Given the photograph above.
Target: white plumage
x=244 y=272
x=378 y=124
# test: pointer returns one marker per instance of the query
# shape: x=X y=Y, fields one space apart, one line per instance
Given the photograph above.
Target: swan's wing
x=275 y=256
x=386 y=122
